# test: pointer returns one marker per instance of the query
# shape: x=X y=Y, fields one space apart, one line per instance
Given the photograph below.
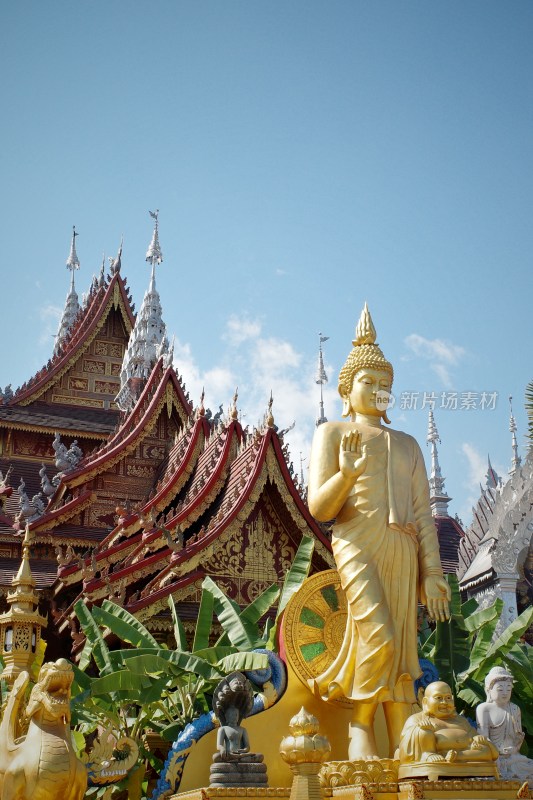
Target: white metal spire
x=321 y=379
x=72 y=306
x=153 y=254
x=73 y=261
x=516 y=460
x=148 y=340
x=437 y=493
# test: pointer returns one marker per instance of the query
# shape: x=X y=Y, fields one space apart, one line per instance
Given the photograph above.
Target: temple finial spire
x=516 y=460
x=148 y=340
x=154 y=254
x=437 y=493
x=73 y=261
x=321 y=379
x=72 y=306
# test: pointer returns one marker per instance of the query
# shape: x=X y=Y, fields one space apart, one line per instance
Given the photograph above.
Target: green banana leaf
x=134 y=684
x=204 y=622
x=501 y=646
x=240 y=633
x=483 y=623
x=259 y=607
x=298 y=572
x=240 y=662
x=98 y=648
x=123 y=624
x=179 y=630
x=294 y=578
x=154 y=661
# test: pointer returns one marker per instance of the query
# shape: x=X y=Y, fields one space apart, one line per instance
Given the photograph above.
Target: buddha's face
x=501 y=690
x=370 y=392
x=232 y=717
x=438 y=700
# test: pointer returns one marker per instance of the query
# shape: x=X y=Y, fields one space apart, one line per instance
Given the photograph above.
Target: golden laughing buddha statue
x=438 y=742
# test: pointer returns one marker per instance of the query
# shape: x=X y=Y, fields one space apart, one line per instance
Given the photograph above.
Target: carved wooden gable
x=93 y=378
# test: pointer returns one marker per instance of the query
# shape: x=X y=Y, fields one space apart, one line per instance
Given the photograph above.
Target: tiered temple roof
x=140 y=501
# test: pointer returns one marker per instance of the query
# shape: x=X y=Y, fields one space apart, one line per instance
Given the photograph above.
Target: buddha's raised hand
x=352 y=455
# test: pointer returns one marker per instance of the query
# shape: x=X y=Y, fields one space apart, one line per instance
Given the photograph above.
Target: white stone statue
x=500 y=721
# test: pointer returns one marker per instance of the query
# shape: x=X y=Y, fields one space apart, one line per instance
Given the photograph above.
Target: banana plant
x=147 y=686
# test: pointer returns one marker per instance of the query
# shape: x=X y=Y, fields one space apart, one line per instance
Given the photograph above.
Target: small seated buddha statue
x=233 y=763
x=500 y=721
x=440 y=743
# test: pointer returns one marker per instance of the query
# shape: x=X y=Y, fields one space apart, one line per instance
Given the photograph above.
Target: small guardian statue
x=233 y=763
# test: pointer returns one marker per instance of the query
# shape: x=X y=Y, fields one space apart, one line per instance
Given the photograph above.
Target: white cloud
x=218 y=381
x=274 y=356
x=442 y=355
x=477 y=465
x=259 y=365
x=435 y=349
x=280 y=271
x=241 y=329
x=444 y=375
x=50 y=316
x=477 y=468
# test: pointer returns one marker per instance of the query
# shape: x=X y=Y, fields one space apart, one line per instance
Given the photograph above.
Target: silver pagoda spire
x=72 y=306
x=73 y=261
x=516 y=460
x=154 y=254
x=437 y=493
x=148 y=340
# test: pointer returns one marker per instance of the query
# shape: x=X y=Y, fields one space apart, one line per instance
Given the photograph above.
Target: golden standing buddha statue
x=373 y=482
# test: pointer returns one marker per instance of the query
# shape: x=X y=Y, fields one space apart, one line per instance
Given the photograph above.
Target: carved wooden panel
x=247 y=563
x=31 y=445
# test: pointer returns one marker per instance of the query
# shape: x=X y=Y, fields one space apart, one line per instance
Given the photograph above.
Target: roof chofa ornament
x=116 y=263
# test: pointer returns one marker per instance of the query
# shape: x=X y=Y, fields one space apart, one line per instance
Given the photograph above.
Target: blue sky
x=305 y=157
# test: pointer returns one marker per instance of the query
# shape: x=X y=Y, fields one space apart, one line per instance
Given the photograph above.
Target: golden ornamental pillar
x=304 y=751
x=20 y=627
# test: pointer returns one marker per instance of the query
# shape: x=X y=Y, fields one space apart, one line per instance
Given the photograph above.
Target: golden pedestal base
x=462 y=789
x=442 y=770
x=468 y=789
x=233 y=792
